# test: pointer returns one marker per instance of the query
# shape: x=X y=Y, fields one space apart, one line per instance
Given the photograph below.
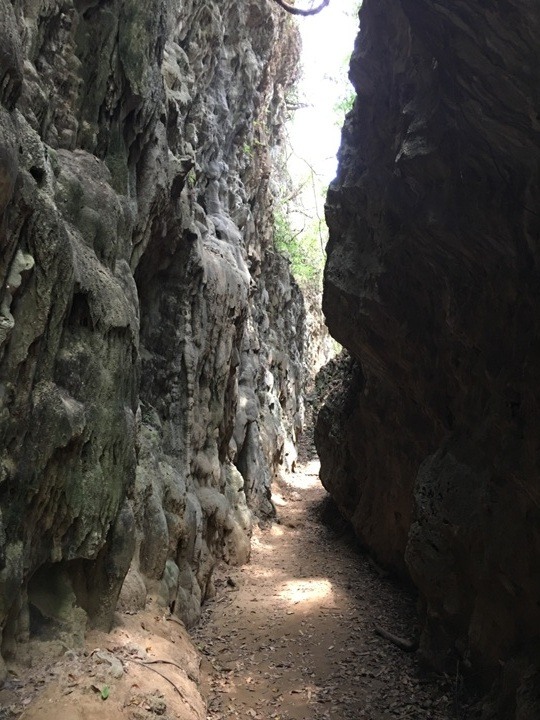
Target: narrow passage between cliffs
x=291 y=635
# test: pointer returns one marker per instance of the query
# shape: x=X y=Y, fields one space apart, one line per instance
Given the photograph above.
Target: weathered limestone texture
x=150 y=340
x=431 y=444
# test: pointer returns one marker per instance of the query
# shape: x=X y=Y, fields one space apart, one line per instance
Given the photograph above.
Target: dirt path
x=290 y=636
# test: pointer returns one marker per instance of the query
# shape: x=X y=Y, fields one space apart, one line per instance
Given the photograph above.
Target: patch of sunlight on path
x=311 y=590
x=306 y=477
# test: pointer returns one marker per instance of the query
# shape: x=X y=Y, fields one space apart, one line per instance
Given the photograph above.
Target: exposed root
x=148 y=664
x=401 y=643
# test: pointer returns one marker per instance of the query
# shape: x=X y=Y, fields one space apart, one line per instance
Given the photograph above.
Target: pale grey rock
x=114 y=665
x=140 y=297
x=133 y=593
x=11 y=57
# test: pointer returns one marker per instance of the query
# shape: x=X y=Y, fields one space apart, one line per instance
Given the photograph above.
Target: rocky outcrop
x=150 y=339
x=430 y=446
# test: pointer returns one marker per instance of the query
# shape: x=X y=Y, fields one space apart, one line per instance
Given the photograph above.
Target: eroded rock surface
x=430 y=445
x=150 y=339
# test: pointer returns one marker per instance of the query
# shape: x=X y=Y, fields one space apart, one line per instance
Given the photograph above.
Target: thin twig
x=148 y=663
x=163 y=662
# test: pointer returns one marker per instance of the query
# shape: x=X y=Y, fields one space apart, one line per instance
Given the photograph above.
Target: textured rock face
x=150 y=340
x=431 y=444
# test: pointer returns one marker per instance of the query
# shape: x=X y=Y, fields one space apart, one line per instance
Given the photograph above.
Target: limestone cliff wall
x=150 y=339
x=430 y=445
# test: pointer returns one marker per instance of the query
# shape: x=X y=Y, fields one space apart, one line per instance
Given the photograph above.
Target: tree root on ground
x=401 y=643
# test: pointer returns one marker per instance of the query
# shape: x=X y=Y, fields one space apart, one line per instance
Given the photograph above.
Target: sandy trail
x=290 y=636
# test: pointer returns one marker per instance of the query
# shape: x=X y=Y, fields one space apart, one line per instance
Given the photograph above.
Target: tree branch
x=298 y=11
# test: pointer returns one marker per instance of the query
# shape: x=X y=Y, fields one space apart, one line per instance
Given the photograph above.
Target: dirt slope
x=145 y=668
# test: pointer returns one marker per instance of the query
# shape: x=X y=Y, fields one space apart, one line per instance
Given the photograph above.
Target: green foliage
x=344 y=105
x=302 y=248
x=347 y=94
x=354 y=9
x=191 y=179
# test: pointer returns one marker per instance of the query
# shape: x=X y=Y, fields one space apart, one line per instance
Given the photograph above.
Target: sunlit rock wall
x=431 y=444
x=150 y=340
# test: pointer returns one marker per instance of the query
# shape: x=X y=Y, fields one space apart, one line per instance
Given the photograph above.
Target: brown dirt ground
x=145 y=668
x=290 y=636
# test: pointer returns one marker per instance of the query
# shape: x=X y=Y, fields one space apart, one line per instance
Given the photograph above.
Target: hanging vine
x=295 y=10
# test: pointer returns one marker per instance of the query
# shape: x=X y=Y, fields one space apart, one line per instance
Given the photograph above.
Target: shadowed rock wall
x=430 y=445
x=150 y=339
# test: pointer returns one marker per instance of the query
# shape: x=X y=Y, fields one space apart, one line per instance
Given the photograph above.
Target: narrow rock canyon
x=155 y=349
